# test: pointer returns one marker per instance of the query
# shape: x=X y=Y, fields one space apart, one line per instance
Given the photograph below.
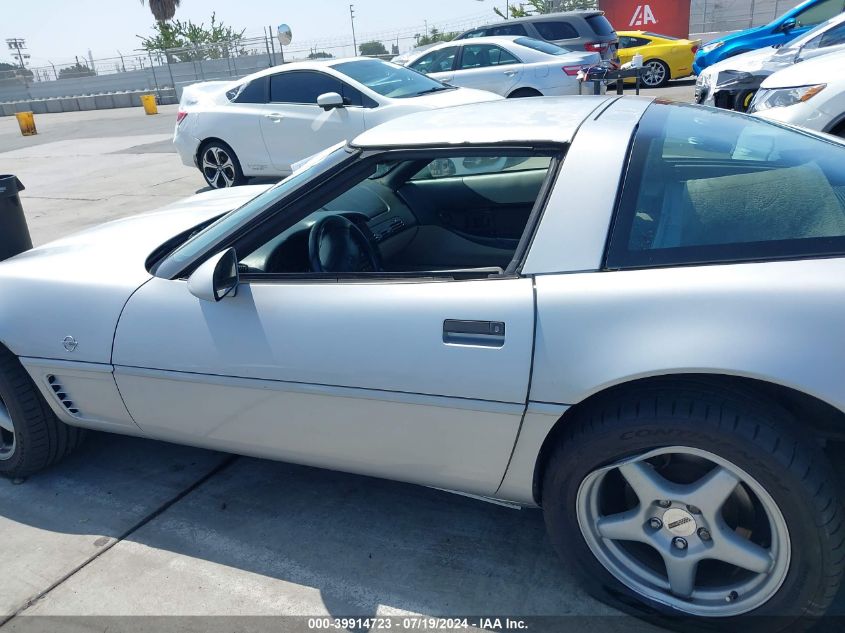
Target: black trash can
x=14 y=234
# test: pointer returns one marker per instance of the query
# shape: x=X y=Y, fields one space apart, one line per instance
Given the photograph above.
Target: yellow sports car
x=664 y=57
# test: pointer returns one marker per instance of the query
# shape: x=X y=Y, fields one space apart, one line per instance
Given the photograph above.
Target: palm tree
x=163 y=10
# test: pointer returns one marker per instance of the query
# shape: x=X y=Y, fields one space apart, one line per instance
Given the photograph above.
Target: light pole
x=352 y=20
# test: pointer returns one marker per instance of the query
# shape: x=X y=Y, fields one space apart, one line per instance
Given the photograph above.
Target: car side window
x=507 y=29
x=820 y=12
x=833 y=37
x=483 y=55
x=438 y=61
x=436 y=213
x=253 y=92
x=706 y=187
x=302 y=86
x=556 y=30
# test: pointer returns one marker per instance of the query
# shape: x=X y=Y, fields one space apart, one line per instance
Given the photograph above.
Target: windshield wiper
x=435 y=89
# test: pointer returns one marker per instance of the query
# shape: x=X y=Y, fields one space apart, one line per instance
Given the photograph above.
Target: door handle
x=474 y=333
x=275 y=117
x=509 y=73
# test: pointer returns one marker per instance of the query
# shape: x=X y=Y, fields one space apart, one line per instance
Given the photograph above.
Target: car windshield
x=390 y=80
x=205 y=238
x=798 y=43
x=543 y=47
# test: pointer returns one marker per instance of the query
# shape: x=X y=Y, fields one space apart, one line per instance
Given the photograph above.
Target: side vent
x=62 y=395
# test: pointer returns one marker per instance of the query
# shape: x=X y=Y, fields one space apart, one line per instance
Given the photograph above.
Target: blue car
x=788 y=26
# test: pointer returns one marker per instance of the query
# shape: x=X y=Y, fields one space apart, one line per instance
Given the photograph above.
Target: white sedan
x=508 y=66
x=267 y=122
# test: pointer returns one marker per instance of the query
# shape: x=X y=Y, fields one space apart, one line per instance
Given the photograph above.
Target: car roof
x=537 y=120
x=545 y=17
x=315 y=64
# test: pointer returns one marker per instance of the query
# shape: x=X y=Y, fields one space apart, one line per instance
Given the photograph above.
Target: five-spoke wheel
x=220 y=166
x=655 y=74
x=687 y=528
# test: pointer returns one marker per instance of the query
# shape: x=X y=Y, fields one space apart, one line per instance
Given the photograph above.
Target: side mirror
x=787 y=25
x=330 y=101
x=216 y=278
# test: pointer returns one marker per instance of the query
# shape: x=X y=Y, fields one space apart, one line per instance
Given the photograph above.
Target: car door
x=294 y=127
x=418 y=377
x=488 y=67
x=238 y=123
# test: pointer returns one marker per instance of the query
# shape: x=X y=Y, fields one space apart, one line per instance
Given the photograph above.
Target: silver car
x=627 y=312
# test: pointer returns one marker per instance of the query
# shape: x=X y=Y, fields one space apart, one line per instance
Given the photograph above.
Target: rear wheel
x=31 y=436
x=220 y=166
x=655 y=74
x=688 y=502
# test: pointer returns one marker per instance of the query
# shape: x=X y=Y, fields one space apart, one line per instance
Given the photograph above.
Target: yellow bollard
x=149 y=103
x=26 y=121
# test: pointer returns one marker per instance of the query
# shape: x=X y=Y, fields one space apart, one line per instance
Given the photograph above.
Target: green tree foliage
x=77 y=70
x=187 y=41
x=315 y=54
x=533 y=7
x=434 y=36
x=12 y=72
x=163 y=10
x=372 y=48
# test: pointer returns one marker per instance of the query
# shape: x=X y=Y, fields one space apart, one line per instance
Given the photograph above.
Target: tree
x=186 y=41
x=315 y=54
x=13 y=72
x=434 y=36
x=372 y=48
x=533 y=7
x=77 y=70
x=163 y=10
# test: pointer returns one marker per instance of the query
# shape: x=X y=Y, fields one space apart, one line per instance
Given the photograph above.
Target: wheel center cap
x=679 y=522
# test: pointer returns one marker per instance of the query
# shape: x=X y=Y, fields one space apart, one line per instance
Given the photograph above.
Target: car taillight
x=572 y=70
x=694 y=49
x=180 y=116
x=596 y=47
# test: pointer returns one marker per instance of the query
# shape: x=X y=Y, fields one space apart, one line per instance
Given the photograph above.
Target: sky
x=58 y=30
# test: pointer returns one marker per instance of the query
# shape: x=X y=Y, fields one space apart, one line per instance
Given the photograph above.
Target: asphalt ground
x=131 y=527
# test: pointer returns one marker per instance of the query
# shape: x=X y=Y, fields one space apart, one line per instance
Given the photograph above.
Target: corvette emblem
x=70 y=343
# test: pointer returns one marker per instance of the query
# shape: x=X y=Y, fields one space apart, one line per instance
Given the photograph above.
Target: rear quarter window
x=600 y=25
x=707 y=187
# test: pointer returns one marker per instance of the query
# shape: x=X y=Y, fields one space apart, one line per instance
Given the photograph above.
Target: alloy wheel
x=7 y=433
x=218 y=168
x=654 y=74
x=688 y=529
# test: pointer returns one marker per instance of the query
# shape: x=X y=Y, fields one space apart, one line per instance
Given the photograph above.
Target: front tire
x=656 y=74
x=31 y=436
x=220 y=166
x=686 y=502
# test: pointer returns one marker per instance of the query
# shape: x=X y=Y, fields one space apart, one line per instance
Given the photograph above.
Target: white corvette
x=263 y=124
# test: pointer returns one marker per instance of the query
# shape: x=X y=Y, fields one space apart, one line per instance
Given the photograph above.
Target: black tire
x=40 y=438
x=661 y=71
x=214 y=154
x=523 y=93
x=746 y=430
x=743 y=100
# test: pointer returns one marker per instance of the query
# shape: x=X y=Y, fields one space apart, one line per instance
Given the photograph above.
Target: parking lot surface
x=128 y=526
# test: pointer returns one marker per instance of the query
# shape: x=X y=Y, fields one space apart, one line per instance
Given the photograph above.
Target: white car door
x=420 y=377
x=487 y=67
x=294 y=127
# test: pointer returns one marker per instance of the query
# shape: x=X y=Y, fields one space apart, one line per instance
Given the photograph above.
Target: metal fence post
x=155 y=79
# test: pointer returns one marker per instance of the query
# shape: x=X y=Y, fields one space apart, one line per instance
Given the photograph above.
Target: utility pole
x=352 y=19
x=18 y=45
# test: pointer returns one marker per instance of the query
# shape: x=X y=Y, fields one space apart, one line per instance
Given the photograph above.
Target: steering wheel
x=338 y=245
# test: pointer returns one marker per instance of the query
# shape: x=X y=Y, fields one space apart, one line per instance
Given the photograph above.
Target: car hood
x=819 y=70
x=77 y=286
x=751 y=62
x=739 y=35
x=446 y=98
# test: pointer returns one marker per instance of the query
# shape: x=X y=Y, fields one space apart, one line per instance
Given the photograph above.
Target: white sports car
x=265 y=123
x=626 y=311
x=508 y=66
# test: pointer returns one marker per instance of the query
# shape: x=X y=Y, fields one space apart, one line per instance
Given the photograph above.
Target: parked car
x=264 y=123
x=576 y=30
x=626 y=311
x=509 y=66
x=732 y=83
x=664 y=57
x=788 y=26
x=810 y=95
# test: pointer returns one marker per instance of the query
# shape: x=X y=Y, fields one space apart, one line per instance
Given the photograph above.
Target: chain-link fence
x=713 y=16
